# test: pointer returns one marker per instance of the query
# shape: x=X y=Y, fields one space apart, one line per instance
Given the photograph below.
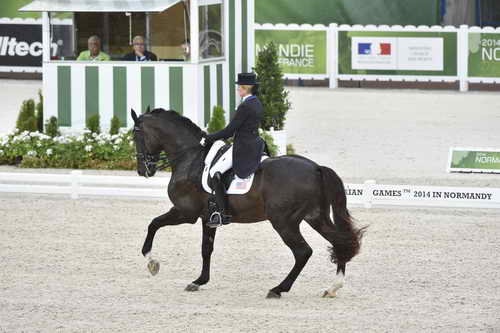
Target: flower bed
x=89 y=150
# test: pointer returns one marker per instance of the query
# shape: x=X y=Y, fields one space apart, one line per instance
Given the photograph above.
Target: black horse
x=285 y=191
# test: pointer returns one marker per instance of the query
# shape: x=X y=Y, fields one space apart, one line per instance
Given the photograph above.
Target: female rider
x=245 y=154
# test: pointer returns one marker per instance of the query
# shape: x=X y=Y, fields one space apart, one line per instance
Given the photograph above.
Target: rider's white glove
x=203 y=142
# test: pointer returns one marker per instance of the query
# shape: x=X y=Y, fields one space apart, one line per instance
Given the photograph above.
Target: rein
x=155 y=160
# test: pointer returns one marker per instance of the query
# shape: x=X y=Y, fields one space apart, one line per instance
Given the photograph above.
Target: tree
x=39 y=112
x=217 y=121
x=272 y=91
x=93 y=124
x=115 y=125
x=26 y=121
x=52 y=128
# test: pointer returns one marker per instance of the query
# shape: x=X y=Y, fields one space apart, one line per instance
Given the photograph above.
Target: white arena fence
x=369 y=194
x=383 y=53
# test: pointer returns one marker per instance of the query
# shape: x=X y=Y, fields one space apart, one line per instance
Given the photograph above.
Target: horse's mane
x=175 y=117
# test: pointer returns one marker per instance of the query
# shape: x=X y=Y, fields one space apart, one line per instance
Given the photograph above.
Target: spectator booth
x=218 y=33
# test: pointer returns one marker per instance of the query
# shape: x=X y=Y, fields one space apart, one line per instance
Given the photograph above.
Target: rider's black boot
x=220 y=217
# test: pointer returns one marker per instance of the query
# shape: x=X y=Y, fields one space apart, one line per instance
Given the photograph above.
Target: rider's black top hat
x=247 y=79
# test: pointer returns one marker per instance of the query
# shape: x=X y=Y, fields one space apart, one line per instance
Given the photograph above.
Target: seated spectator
x=94 y=52
x=140 y=53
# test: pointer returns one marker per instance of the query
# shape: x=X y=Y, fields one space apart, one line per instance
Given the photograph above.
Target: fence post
x=367 y=193
x=463 y=57
x=251 y=34
x=75 y=175
x=332 y=44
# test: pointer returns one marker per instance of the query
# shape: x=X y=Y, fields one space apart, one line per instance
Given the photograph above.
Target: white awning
x=99 y=5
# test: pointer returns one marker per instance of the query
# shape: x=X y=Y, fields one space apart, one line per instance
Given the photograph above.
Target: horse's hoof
x=154 y=267
x=192 y=287
x=272 y=294
x=328 y=294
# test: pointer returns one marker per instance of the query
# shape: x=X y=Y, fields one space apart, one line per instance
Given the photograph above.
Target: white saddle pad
x=238 y=185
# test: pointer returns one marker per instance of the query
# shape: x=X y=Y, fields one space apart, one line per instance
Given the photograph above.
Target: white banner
x=371 y=193
x=398 y=53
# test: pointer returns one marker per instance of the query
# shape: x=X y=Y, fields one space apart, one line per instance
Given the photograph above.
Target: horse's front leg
x=172 y=217
x=207 y=247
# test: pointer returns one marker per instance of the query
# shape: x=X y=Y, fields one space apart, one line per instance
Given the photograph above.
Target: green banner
x=475 y=160
x=8 y=8
x=398 y=53
x=390 y=12
x=299 y=51
x=484 y=55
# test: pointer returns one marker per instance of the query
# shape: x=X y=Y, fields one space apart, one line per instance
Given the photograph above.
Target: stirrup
x=217 y=219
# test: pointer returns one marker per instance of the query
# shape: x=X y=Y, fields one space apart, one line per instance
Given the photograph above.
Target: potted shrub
x=273 y=95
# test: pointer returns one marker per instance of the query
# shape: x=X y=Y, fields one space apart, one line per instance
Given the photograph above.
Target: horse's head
x=147 y=145
x=159 y=130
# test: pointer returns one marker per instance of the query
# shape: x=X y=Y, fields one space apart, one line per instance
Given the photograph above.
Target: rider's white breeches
x=224 y=163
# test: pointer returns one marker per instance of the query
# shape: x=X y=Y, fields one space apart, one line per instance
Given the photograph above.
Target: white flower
x=123 y=130
x=116 y=147
x=118 y=141
x=38 y=144
x=49 y=152
x=31 y=153
x=94 y=135
x=1 y=152
x=88 y=148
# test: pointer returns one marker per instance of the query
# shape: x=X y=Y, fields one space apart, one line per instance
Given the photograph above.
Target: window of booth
x=211 y=32
x=168 y=31
x=61 y=34
x=115 y=30
x=165 y=37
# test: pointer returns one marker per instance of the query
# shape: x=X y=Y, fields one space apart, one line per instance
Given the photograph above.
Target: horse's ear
x=148 y=109
x=134 y=116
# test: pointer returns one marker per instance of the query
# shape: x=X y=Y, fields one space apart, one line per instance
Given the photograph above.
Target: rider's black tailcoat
x=248 y=145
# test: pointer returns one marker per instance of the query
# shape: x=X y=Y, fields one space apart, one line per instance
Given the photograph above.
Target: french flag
x=377 y=49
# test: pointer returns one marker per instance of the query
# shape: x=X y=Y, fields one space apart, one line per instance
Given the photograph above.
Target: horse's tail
x=345 y=237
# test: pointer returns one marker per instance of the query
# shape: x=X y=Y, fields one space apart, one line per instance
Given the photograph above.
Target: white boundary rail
x=77 y=184
x=369 y=194
x=332 y=48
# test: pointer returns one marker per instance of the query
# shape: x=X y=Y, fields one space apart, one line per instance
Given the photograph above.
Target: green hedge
x=89 y=150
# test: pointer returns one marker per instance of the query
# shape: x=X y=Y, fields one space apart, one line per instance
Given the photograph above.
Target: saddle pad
x=238 y=185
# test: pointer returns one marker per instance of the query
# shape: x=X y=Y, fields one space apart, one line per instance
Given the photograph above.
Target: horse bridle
x=152 y=160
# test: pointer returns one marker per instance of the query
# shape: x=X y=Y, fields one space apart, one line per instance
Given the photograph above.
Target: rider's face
x=242 y=91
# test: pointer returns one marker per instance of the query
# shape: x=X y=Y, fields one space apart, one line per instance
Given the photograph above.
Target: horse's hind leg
x=207 y=247
x=300 y=249
x=325 y=227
